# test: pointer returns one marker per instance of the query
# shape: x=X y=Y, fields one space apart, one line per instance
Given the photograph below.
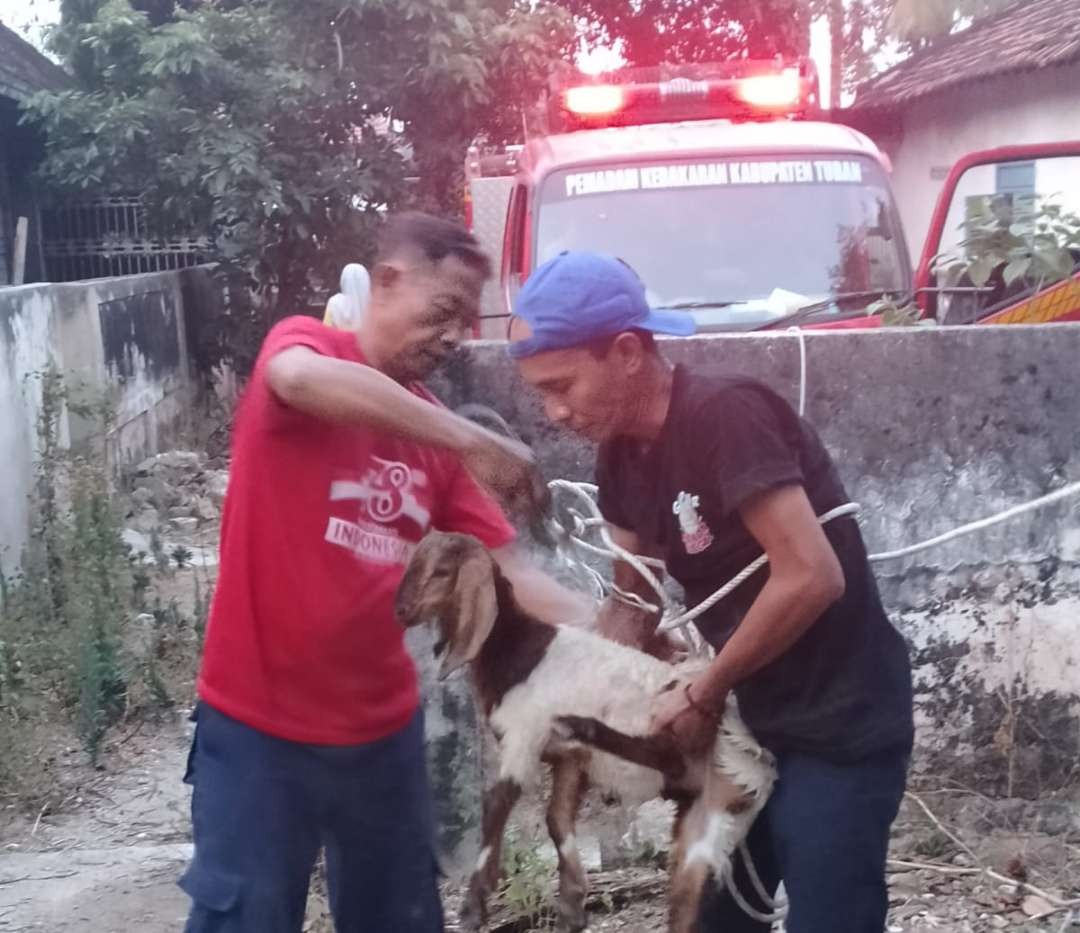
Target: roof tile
x=23 y=69
x=1029 y=35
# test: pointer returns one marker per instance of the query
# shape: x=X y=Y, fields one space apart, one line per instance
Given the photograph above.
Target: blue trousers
x=825 y=833
x=262 y=808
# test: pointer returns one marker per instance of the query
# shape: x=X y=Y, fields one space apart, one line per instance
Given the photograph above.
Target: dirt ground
x=107 y=862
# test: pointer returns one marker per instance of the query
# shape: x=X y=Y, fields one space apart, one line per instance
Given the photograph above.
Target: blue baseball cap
x=579 y=296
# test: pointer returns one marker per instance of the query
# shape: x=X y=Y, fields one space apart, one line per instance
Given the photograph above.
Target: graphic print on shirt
x=696 y=535
x=386 y=493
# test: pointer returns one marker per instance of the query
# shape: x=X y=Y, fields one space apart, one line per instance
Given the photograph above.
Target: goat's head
x=450 y=581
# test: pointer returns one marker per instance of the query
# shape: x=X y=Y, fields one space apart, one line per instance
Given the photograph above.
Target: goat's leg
x=498 y=802
x=707 y=831
x=684 y=905
x=569 y=782
x=689 y=869
x=658 y=752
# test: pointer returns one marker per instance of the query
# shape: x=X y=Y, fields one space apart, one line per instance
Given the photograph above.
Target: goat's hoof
x=473 y=915
x=572 y=920
x=470 y=922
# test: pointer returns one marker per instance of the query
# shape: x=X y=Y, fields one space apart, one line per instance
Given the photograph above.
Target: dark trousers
x=262 y=808
x=825 y=832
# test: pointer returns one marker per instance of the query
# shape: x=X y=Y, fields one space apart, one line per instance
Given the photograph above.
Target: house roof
x=1028 y=35
x=23 y=69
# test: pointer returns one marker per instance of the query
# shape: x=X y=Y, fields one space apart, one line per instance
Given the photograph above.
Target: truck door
x=516 y=245
x=1004 y=241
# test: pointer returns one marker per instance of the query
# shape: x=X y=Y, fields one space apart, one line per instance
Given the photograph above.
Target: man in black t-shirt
x=708 y=472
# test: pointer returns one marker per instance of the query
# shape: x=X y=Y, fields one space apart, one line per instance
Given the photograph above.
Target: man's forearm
x=541 y=596
x=805 y=578
x=350 y=393
x=782 y=613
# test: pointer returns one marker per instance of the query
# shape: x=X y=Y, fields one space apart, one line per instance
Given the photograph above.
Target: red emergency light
x=771 y=92
x=740 y=90
x=594 y=99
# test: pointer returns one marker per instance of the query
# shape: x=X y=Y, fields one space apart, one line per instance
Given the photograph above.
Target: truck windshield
x=737 y=242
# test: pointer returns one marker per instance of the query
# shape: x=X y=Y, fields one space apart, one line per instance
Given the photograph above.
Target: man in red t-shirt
x=309 y=733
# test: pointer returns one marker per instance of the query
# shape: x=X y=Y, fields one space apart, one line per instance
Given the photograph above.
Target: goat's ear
x=472 y=611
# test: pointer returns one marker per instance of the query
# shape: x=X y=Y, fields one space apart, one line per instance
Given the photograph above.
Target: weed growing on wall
x=96 y=564
x=83 y=629
x=62 y=618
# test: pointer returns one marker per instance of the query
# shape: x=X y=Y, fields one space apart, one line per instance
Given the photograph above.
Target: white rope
x=1057 y=495
x=748 y=571
x=771 y=917
x=798 y=332
x=585 y=492
x=774 y=903
x=674 y=615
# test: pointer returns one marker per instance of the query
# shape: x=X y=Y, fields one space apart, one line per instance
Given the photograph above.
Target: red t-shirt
x=318 y=524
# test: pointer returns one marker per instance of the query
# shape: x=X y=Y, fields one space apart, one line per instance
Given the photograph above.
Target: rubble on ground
x=174 y=502
x=178 y=491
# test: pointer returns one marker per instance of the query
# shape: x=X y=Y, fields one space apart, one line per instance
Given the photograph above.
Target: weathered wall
x=28 y=332
x=930 y=428
x=455 y=757
x=121 y=339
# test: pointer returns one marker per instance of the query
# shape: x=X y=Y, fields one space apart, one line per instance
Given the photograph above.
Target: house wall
x=119 y=339
x=7 y=207
x=21 y=149
x=930 y=134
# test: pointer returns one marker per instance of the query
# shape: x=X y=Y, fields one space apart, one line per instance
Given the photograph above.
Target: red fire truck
x=721 y=185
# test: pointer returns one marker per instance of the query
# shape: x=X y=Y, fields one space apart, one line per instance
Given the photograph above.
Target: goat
x=571 y=699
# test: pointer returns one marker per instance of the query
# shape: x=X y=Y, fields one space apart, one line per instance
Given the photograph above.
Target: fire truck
x=723 y=187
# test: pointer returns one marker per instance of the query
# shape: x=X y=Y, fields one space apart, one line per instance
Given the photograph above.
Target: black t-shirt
x=843 y=690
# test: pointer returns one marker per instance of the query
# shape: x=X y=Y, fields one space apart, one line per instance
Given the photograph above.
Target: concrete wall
x=120 y=338
x=932 y=133
x=930 y=428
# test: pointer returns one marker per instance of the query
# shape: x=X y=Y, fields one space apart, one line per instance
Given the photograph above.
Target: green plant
x=168 y=617
x=1027 y=240
x=65 y=617
x=526 y=887
x=96 y=565
x=11 y=678
x=47 y=527
x=204 y=591
x=897 y=314
x=650 y=854
x=935 y=845
x=140 y=583
x=650 y=32
x=86 y=561
x=157 y=551
x=181 y=555
x=282 y=130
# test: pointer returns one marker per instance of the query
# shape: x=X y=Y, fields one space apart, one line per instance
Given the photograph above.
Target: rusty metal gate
x=110 y=236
